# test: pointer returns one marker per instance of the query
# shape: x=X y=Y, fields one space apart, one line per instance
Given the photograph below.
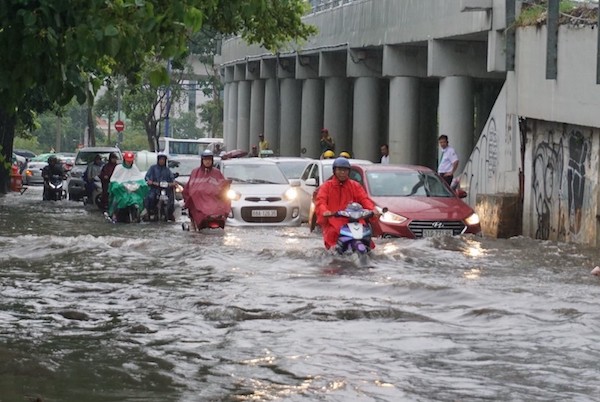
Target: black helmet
x=52 y=159
x=341 y=162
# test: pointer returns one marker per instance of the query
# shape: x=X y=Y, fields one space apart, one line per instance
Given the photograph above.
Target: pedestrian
x=253 y=152
x=263 y=144
x=327 y=143
x=93 y=169
x=345 y=154
x=105 y=174
x=385 y=154
x=448 y=160
x=328 y=155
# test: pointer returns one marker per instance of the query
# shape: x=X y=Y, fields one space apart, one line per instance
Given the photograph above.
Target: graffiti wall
x=493 y=166
x=561 y=182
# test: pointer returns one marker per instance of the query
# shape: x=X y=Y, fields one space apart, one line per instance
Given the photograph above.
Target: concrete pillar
x=291 y=101
x=232 y=116
x=455 y=115
x=226 y=134
x=312 y=118
x=404 y=120
x=271 y=125
x=336 y=111
x=257 y=110
x=243 y=121
x=366 y=120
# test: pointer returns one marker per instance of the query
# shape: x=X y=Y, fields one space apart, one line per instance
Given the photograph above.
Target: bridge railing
x=321 y=5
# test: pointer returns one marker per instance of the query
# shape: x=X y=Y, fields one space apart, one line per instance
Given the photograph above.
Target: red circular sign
x=119 y=125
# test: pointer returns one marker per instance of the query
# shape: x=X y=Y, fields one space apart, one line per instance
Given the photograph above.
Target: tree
x=56 y=50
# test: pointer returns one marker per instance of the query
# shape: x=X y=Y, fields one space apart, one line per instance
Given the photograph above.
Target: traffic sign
x=119 y=125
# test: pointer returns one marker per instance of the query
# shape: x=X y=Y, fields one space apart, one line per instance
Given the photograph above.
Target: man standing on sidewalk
x=448 y=160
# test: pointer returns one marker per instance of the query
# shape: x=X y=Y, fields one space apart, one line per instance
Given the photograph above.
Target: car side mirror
x=461 y=193
x=295 y=183
x=311 y=182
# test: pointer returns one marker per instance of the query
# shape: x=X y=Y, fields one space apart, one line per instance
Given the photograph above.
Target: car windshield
x=292 y=169
x=406 y=184
x=184 y=166
x=254 y=173
x=83 y=158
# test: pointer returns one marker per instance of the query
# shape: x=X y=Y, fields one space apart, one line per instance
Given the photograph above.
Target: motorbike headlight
x=233 y=195
x=178 y=188
x=290 y=194
x=473 y=219
x=390 y=217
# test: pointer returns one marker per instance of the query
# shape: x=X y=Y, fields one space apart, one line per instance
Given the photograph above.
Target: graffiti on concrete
x=579 y=149
x=547 y=176
x=559 y=173
x=492 y=149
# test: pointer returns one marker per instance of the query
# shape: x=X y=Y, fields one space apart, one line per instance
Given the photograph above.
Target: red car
x=419 y=202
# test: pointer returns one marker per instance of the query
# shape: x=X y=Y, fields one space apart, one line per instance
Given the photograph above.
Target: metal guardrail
x=321 y=5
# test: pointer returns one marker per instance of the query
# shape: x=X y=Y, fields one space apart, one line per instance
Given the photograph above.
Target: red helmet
x=128 y=157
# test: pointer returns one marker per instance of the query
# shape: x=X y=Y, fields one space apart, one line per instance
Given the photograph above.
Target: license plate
x=436 y=232
x=264 y=213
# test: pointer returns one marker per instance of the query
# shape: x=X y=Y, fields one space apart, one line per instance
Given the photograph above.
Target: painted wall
x=493 y=166
x=561 y=188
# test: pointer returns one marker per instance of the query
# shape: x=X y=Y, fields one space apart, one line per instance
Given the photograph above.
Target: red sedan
x=419 y=202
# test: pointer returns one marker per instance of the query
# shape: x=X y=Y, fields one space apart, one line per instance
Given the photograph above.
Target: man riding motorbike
x=105 y=174
x=53 y=168
x=93 y=169
x=156 y=174
x=127 y=187
x=334 y=195
x=205 y=193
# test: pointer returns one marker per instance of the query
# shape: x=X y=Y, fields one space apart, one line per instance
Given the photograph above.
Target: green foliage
x=30 y=143
x=536 y=13
x=184 y=126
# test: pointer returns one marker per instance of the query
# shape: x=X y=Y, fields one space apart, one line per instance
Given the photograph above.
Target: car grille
x=258 y=199
x=417 y=227
x=280 y=217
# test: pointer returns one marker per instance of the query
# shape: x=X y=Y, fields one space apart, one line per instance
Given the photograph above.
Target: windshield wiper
x=235 y=179
x=261 y=181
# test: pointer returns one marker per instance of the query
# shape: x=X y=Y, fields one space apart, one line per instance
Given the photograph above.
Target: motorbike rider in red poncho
x=334 y=195
x=205 y=192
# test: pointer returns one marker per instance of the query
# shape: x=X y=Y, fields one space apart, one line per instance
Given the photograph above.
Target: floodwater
x=93 y=311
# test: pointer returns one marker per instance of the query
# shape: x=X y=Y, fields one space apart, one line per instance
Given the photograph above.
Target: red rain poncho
x=205 y=194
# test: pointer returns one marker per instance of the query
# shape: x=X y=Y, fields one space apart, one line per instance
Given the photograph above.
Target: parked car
x=291 y=166
x=25 y=153
x=75 y=183
x=419 y=202
x=260 y=193
x=314 y=174
x=32 y=173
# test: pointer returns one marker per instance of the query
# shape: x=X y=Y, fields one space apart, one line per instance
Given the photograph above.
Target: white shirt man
x=385 y=154
x=448 y=160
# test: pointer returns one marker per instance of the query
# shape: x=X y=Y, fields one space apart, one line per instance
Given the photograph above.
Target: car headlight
x=28 y=173
x=390 y=217
x=233 y=195
x=290 y=194
x=473 y=219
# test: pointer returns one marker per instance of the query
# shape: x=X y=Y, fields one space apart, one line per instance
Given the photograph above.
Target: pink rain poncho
x=205 y=194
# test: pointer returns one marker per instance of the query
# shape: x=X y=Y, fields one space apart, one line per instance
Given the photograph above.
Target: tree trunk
x=91 y=127
x=7 y=135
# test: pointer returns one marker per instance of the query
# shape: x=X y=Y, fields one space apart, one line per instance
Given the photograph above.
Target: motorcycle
x=355 y=235
x=129 y=200
x=97 y=195
x=162 y=204
x=54 y=188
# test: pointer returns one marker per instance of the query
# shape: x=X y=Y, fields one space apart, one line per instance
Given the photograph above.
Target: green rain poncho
x=127 y=187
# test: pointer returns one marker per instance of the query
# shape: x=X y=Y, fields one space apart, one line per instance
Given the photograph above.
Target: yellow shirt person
x=262 y=143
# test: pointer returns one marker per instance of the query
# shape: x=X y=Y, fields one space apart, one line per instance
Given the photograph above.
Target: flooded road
x=91 y=311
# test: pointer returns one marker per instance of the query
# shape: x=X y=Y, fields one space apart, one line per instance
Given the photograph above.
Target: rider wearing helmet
x=329 y=154
x=345 y=154
x=128 y=158
x=207 y=159
x=203 y=194
x=334 y=195
x=53 y=168
x=156 y=174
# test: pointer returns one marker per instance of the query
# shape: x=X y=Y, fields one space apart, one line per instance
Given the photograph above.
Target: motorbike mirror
x=384 y=210
x=176 y=175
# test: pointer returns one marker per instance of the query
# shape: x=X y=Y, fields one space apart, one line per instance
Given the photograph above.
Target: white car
x=314 y=174
x=260 y=193
x=291 y=166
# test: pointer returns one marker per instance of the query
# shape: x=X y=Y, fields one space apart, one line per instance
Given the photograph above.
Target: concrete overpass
x=403 y=72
